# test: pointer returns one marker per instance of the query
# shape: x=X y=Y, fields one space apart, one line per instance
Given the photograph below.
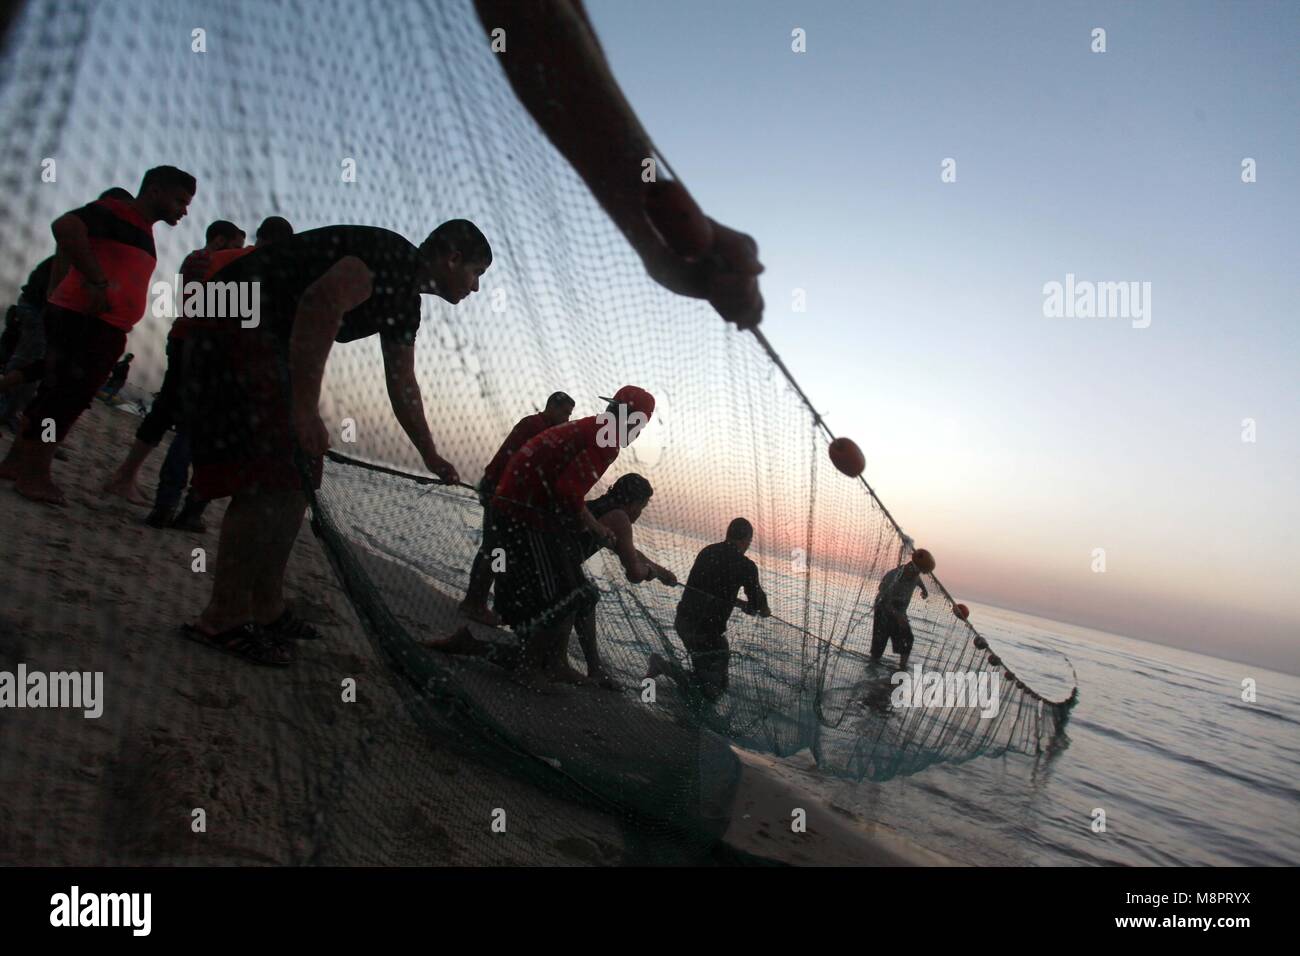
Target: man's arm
x=636 y=565
x=596 y=527
x=74 y=251
x=58 y=270
x=907 y=580
x=320 y=313
x=571 y=490
x=660 y=572
x=408 y=406
x=754 y=594
x=556 y=66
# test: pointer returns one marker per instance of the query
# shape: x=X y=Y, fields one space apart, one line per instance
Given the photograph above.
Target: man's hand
x=702 y=258
x=312 y=435
x=666 y=576
x=442 y=468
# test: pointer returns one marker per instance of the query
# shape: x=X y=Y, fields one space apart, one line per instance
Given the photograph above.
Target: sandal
x=291 y=626
x=247 y=641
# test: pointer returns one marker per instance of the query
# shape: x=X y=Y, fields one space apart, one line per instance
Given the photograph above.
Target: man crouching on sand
x=252 y=394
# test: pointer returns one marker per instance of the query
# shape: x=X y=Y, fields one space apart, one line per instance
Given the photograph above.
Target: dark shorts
x=710 y=656
x=543 y=583
x=890 y=626
x=81 y=352
x=236 y=407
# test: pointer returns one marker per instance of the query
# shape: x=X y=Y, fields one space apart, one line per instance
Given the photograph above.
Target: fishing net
x=283 y=105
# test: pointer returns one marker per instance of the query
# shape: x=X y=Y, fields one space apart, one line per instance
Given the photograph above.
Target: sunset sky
x=1010 y=443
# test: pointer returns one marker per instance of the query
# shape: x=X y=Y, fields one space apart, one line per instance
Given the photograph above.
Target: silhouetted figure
x=719 y=572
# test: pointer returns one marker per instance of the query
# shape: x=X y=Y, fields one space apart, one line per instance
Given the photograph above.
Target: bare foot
x=40 y=489
x=479 y=614
x=126 y=489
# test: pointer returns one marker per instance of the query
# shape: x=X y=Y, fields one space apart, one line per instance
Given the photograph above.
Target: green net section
x=286 y=100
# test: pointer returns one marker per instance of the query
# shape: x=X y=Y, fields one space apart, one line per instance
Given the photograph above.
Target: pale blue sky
x=1010 y=443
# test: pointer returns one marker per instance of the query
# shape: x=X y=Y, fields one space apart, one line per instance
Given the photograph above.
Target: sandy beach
x=283 y=771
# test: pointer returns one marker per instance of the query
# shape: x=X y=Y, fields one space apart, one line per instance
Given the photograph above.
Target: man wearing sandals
x=253 y=388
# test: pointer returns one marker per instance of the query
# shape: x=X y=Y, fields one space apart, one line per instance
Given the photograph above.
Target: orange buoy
x=961 y=610
x=847 y=457
x=980 y=643
x=676 y=217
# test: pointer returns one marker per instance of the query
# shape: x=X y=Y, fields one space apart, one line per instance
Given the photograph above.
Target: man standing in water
x=252 y=390
x=889 y=615
x=719 y=572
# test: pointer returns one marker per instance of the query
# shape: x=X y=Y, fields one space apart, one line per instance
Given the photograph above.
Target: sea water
x=1162 y=761
x=1186 y=772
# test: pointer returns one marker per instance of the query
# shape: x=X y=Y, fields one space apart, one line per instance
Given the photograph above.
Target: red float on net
x=847 y=457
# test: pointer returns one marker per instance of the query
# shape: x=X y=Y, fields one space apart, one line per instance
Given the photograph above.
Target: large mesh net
x=283 y=102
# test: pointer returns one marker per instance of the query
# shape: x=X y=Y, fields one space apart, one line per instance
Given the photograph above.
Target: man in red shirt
x=558 y=409
x=108 y=246
x=539 y=515
x=165 y=411
x=25 y=364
